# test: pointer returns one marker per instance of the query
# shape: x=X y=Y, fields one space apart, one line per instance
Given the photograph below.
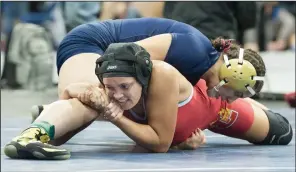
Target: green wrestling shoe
x=33 y=144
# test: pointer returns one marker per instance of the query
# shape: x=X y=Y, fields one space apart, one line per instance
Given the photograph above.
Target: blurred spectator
x=46 y=14
x=149 y=9
x=47 y=23
x=77 y=13
x=56 y=26
x=11 y=13
x=118 y=10
x=214 y=19
x=31 y=36
x=279 y=25
x=292 y=42
x=2 y=62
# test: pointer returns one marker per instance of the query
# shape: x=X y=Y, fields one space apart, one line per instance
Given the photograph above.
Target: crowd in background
x=261 y=26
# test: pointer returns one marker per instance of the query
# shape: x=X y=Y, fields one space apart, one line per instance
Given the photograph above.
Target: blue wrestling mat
x=103 y=147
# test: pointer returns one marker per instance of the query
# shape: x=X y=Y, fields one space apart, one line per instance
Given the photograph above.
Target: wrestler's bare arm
x=162 y=107
x=157 y=46
x=89 y=94
x=196 y=140
x=73 y=90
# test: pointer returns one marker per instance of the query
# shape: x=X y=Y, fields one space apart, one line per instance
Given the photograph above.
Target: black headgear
x=125 y=59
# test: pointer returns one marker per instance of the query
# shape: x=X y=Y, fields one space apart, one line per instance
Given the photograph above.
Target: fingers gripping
x=95 y=97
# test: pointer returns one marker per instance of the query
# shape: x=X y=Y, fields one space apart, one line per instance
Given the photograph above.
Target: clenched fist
x=113 y=112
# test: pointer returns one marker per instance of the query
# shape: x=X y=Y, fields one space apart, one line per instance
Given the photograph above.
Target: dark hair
x=229 y=47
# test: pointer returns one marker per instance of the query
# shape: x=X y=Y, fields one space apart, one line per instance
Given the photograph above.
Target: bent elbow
x=162 y=148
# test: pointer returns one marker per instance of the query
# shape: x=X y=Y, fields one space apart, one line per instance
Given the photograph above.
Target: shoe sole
x=12 y=152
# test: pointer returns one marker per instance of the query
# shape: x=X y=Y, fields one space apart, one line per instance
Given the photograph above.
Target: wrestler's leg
x=252 y=121
x=69 y=115
x=260 y=126
x=280 y=131
x=64 y=118
x=254 y=102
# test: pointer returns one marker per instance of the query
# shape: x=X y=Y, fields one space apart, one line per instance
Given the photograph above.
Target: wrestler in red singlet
x=201 y=111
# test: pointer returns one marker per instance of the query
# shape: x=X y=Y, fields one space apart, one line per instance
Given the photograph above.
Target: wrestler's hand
x=113 y=112
x=196 y=140
x=94 y=97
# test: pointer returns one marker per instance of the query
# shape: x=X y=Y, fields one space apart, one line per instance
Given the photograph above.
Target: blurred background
x=32 y=31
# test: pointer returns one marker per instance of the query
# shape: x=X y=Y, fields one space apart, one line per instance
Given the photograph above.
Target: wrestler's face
x=126 y=91
x=228 y=94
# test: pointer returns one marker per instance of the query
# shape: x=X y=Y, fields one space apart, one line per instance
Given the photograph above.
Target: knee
x=74 y=89
x=63 y=92
x=87 y=113
x=75 y=103
x=72 y=104
x=280 y=130
x=77 y=108
x=69 y=91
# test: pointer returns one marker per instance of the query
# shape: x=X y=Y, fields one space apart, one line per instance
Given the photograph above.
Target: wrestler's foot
x=36 y=111
x=33 y=144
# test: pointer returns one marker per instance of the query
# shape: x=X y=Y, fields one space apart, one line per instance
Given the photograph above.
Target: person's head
x=124 y=70
x=240 y=71
x=116 y=10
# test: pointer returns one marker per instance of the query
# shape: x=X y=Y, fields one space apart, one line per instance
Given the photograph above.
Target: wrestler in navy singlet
x=190 y=52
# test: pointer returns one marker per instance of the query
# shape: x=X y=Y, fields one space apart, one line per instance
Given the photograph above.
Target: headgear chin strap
x=238 y=74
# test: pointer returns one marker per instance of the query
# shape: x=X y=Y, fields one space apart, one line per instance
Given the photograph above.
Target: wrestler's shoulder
x=163 y=69
x=160 y=65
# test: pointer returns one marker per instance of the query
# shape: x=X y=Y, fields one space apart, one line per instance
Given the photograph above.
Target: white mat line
x=197 y=169
x=185 y=169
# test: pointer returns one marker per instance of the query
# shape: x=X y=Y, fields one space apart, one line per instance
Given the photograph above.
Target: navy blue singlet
x=190 y=52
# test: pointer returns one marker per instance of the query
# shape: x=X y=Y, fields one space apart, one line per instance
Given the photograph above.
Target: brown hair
x=230 y=48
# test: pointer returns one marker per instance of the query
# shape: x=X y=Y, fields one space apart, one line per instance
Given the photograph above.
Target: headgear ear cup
x=238 y=76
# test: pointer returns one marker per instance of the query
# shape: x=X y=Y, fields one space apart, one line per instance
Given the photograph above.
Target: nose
x=117 y=95
x=230 y=100
x=223 y=98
